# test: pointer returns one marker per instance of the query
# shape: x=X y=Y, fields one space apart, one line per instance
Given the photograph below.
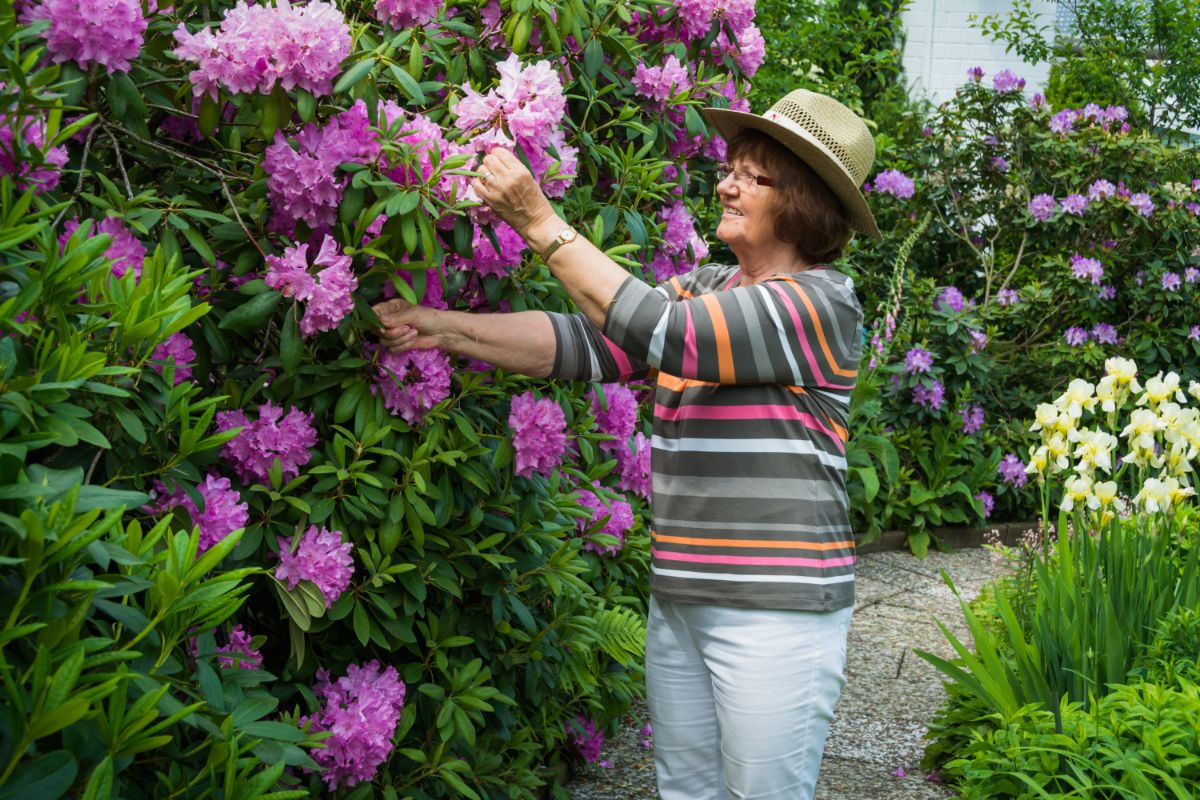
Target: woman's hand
x=406 y=326
x=509 y=189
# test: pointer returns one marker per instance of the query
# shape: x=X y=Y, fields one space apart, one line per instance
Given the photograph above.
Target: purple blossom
x=1007 y=297
x=270 y=437
x=328 y=295
x=1007 y=81
x=1074 y=204
x=587 y=740
x=485 y=259
x=633 y=466
x=1087 y=269
x=1142 y=204
x=951 y=299
x=239 y=652
x=361 y=710
x=749 y=52
x=975 y=74
x=619 y=520
x=1042 y=206
x=539 y=434
x=177 y=349
x=1194 y=333
x=1075 y=336
x=1012 y=470
x=697 y=16
x=1101 y=189
x=1037 y=101
x=972 y=418
x=104 y=32
x=258 y=47
x=322 y=557
x=407 y=13
x=223 y=513
x=1062 y=122
x=412 y=382
x=899 y=772
x=978 y=341
x=987 y=501
x=682 y=249
x=125 y=251
x=895 y=183
x=661 y=83
x=20 y=137
x=931 y=397
x=1107 y=292
x=918 y=360
x=617 y=417
x=1104 y=333
x=999 y=164
x=1191 y=275
x=1171 y=281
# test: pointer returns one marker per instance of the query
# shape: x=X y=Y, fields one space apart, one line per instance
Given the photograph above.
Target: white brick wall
x=941 y=46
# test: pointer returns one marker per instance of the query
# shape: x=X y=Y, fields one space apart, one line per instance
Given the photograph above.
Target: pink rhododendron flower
x=749 y=52
x=322 y=557
x=272 y=436
x=682 y=249
x=104 y=32
x=1042 y=206
x=222 y=514
x=21 y=136
x=618 y=415
x=917 y=360
x=661 y=83
x=258 y=47
x=1075 y=336
x=697 y=16
x=539 y=436
x=1006 y=81
x=1012 y=471
x=895 y=183
x=1074 y=204
x=1142 y=204
x=361 y=710
x=619 y=520
x=1007 y=297
x=239 y=652
x=972 y=418
x=484 y=258
x=125 y=252
x=412 y=382
x=1088 y=269
x=177 y=348
x=407 y=13
x=633 y=466
x=328 y=296
x=586 y=738
x=1101 y=189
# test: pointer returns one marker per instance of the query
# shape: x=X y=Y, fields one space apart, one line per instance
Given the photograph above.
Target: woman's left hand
x=509 y=189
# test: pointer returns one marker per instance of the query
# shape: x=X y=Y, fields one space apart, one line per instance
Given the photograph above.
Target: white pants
x=741 y=699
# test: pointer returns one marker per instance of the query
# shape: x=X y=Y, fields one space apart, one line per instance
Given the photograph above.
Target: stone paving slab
x=890 y=692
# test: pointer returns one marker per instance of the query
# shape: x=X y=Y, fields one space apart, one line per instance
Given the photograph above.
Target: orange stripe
x=721 y=337
x=677 y=384
x=753 y=543
x=679 y=290
x=816 y=320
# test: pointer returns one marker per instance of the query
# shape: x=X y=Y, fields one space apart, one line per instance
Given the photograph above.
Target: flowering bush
x=238 y=523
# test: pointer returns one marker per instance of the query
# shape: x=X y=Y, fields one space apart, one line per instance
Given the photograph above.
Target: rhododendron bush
x=243 y=546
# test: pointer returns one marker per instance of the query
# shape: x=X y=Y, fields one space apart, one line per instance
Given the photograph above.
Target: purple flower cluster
x=1104 y=333
x=260 y=46
x=586 y=739
x=975 y=74
x=749 y=51
x=1075 y=336
x=539 y=437
x=125 y=252
x=361 y=710
x=1194 y=333
x=696 y=17
x=412 y=382
x=972 y=418
x=322 y=557
x=239 y=652
x=407 y=13
x=177 y=349
x=270 y=437
x=1087 y=269
x=950 y=299
x=223 y=512
x=528 y=102
x=918 y=359
x=1101 y=189
x=302 y=183
x=895 y=183
x=633 y=466
x=1012 y=470
x=1142 y=204
x=1006 y=81
x=1191 y=275
x=328 y=296
x=617 y=416
x=987 y=501
x=661 y=83
x=931 y=397
x=104 y=32
x=1171 y=282
x=619 y=520
x=1042 y=206
x=485 y=259
x=1074 y=204
x=978 y=341
x=1064 y=121
x=1007 y=297
x=682 y=248
x=20 y=136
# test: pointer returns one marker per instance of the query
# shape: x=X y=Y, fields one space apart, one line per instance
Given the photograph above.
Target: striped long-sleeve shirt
x=748 y=456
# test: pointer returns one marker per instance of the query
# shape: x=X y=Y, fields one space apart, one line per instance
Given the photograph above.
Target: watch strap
x=564 y=236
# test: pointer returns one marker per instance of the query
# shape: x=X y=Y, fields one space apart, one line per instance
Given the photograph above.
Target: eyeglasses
x=742 y=177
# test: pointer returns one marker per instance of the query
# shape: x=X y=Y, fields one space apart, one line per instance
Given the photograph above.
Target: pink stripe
x=753 y=561
x=689 y=344
x=746 y=412
x=623 y=364
x=808 y=353
x=735 y=277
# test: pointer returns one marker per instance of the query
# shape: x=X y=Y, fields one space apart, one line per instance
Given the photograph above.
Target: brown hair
x=807 y=213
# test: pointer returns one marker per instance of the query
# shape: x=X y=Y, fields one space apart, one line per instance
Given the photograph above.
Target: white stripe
x=797 y=379
x=798 y=447
x=837 y=397
x=725 y=576
x=658 y=338
x=597 y=373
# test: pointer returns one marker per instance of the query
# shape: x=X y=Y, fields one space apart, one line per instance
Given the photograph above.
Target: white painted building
x=941 y=46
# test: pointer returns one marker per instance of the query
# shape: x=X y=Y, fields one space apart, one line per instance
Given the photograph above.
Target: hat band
x=798 y=115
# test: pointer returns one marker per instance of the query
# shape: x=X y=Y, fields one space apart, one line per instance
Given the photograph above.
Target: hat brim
x=729 y=123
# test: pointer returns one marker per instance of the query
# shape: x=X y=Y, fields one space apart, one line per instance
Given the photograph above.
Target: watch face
x=567 y=235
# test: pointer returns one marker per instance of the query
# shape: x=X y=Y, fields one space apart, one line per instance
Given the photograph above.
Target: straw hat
x=824 y=134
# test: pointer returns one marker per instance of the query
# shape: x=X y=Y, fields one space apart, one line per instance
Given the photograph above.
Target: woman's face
x=747 y=222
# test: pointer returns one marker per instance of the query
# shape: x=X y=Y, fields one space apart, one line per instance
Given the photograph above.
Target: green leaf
x=290 y=346
x=251 y=315
x=47 y=777
x=58 y=718
x=408 y=84
x=99 y=786
x=210 y=686
x=210 y=114
x=276 y=111
x=279 y=731
x=352 y=76
x=295 y=607
x=93 y=497
x=130 y=423
x=362 y=625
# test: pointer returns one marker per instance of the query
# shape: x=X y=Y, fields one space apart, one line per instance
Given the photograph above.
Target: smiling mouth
x=729 y=212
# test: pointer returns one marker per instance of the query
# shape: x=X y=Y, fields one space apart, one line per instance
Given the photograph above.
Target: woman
x=752 y=554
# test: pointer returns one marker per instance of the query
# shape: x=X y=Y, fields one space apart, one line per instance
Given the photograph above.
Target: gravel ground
x=890 y=692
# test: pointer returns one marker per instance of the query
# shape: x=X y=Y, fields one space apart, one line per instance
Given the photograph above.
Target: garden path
x=890 y=693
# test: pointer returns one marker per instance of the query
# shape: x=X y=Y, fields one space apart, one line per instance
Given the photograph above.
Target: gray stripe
x=796 y=531
x=729 y=576
x=801 y=447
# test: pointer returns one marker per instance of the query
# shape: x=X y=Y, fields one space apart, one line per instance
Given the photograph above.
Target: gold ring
x=485 y=177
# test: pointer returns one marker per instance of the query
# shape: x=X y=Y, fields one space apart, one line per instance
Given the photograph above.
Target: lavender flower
x=619 y=519
x=1007 y=297
x=1104 y=333
x=987 y=501
x=407 y=13
x=1012 y=470
x=1037 y=101
x=104 y=32
x=1101 y=189
x=1006 y=81
x=950 y=298
x=1107 y=292
x=972 y=418
x=1074 y=204
x=176 y=349
x=1062 y=122
x=617 y=417
x=1191 y=275
x=978 y=341
x=895 y=183
x=999 y=164
x=322 y=557
x=1042 y=206
x=975 y=74
x=586 y=738
x=661 y=83
x=1141 y=203
x=931 y=397
x=1194 y=333
x=633 y=466
x=239 y=652
x=21 y=136
x=361 y=710
x=1075 y=336
x=1171 y=281
x=539 y=435
x=412 y=382
x=223 y=513
x=918 y=360
x=1087 y=269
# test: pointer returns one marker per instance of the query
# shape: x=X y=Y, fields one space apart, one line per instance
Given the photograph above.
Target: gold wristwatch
x=565 y=236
